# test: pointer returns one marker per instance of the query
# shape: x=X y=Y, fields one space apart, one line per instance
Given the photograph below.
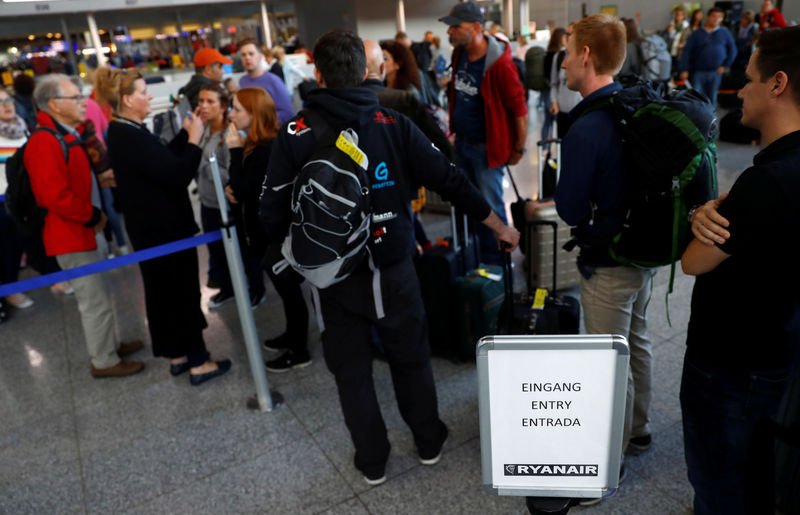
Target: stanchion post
x=265 y=400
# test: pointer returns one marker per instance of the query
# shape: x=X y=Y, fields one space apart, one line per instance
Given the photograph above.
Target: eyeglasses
x=6 y=101
x=76 y=98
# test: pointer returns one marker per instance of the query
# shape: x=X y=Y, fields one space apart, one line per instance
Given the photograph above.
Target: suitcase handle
x=554 y=225
x=539 y=145
x=513 y=183
x=454 y=230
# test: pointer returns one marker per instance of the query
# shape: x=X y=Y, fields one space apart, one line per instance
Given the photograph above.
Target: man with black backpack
x=590 y=196
x=64 y=185
x=337 y=194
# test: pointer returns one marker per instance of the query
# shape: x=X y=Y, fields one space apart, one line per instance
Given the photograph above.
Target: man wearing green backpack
x=590 y=196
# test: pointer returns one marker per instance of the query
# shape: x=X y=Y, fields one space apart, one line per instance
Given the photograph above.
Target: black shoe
x=223 y=366
x=220 y=299
x=278 y=344
x=434 y=457
x=287 y=361
x=639 y=444
x=256 y=299
x=180 y=368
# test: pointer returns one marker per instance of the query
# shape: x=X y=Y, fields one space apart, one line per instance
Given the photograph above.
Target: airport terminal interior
x=152 y=443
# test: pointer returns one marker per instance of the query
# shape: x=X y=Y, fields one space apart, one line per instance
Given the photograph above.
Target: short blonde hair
x=605 y=37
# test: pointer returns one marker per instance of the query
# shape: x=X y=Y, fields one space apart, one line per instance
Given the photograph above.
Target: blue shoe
x=223 y=366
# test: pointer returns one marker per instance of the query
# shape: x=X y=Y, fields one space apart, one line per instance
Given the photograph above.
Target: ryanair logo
x=550 y=470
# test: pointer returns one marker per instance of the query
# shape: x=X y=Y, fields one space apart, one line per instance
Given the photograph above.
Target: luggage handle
x=539 y=146
x=513 y=183
x=454 y=230
x=554 y=225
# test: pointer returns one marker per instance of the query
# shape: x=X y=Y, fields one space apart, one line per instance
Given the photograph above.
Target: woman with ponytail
x=152 y=181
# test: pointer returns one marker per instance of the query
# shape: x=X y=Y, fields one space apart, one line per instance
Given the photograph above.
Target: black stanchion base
x=277 y=401
x=548 y=505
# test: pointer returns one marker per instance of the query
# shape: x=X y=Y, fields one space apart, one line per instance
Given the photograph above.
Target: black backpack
x=537 y=77
x=671 y=159
x=331 y=207
x=20 y=202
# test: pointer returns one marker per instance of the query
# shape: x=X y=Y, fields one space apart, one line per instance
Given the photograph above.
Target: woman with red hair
x=254 y=126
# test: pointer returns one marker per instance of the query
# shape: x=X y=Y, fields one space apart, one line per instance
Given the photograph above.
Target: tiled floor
x=154 y=444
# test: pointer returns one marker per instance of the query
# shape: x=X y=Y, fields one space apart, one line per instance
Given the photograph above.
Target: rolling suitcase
x=437 y=270
x=480 y=295
x=548 y=177
x=534 y=241
x=543 y=312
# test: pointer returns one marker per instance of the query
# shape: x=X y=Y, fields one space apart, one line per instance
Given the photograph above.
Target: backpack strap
x=64 y=145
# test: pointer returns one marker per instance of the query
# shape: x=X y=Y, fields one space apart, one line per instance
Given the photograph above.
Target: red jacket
x=65 y=190
x=503 y=100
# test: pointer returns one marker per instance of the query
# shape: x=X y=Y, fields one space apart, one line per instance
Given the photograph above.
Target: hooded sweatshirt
x=503 y=99
x=401 y=159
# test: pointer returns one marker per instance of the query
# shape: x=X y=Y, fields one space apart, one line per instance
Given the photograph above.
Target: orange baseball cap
x=206 y=56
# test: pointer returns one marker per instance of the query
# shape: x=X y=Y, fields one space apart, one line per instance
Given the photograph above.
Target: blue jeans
x=211 y=219
x=549 y=118
x=728 y=437
x=113 y=216
x=471 y=157
x=707 y=83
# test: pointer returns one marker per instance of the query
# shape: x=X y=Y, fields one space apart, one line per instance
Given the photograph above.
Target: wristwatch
x=691 y=213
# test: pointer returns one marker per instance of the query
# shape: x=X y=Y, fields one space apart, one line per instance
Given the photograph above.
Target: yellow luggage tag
x=539 y=298
x=347 y=142
x=484 y=273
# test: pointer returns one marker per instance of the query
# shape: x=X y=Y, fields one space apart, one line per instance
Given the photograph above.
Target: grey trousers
x=615 y=301
x=95 y=308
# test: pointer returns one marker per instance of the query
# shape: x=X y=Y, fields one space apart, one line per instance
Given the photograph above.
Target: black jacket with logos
x=406 y=102
x=401 y=159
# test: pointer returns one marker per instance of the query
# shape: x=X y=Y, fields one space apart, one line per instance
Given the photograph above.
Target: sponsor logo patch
x=297 y=127
x=382 y=118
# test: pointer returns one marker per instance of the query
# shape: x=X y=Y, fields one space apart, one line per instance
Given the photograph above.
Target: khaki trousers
x=95 y=308
x=615 y=301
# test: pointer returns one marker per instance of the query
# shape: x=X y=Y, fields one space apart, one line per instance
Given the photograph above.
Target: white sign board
x=551 y=413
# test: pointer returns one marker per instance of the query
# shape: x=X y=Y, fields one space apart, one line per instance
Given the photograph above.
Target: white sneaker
x=123 y=250
x=19 y=300
x=62 y=287
x=375 y=482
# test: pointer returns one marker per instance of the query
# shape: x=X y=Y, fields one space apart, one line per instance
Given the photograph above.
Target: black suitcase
x=437 y=270
x=543 y=312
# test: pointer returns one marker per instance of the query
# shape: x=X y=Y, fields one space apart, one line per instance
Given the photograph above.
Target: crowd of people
x=410 y=121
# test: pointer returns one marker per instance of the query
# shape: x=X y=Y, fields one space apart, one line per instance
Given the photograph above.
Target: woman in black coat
x=254 y=125
x=152 y=182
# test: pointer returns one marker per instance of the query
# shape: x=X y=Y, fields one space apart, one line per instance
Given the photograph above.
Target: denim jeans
x=707 y=83
x=211 y=219
x=113 y=216
x=471 y=157
x=549 y=118
x=728 y=437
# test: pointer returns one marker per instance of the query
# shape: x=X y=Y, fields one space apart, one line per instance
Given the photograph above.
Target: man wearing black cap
x=486 y=97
